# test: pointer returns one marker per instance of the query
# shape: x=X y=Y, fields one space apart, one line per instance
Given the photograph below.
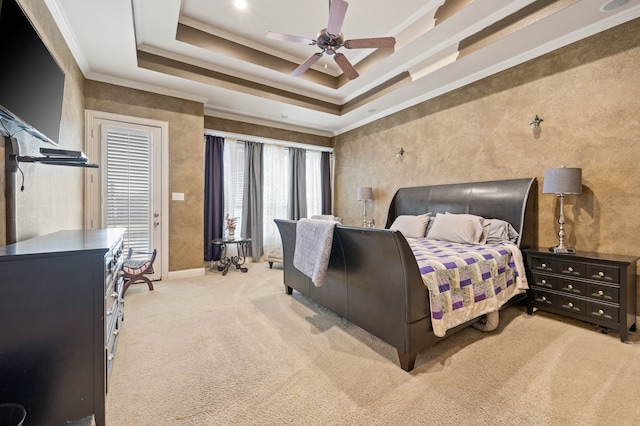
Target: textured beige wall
x=231 y=126
x=186 y=160
x=589 y=97
x=53 y=196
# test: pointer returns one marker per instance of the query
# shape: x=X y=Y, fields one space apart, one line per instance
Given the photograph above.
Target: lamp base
x=563 y=250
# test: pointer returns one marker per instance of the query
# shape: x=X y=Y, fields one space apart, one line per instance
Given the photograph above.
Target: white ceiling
x=134 y=43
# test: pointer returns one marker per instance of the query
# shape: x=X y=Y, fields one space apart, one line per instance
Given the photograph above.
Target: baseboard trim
x=185 y=273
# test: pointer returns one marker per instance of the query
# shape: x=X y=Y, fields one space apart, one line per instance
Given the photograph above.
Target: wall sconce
x=535 y=123
x=400 y=153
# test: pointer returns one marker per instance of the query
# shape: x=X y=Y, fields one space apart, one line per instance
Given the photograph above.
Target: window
x=233 y=179
x=276 y=186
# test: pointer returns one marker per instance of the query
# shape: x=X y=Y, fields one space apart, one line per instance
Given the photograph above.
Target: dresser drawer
x=544 y=281
x=543 y=264
x=608 y=274
x=571 y=304
x=575 y=288
x=544 y=299
x=603 y=312
x=572 y=268
x=603 y=293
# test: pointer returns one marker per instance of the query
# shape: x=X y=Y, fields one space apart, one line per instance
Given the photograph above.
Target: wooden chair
x=135 y=270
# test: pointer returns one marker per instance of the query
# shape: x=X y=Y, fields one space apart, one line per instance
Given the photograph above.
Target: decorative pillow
x=500 y=231
x=459 y=228
x=411 y=226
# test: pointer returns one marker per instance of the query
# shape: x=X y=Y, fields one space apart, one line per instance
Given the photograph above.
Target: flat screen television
x=31 y=82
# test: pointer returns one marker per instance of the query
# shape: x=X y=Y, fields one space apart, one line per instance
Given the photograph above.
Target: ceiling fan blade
x=346 y=66
x=306 y=64
x=374 y=43
x=337 y=11
x=287 y=37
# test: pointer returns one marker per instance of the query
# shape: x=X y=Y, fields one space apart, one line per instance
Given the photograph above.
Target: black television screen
x=31 y=82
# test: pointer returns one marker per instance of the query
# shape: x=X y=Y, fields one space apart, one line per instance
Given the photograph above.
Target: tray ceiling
x=217 y=54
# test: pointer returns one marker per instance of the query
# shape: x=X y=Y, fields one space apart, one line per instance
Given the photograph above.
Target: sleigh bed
x=385 y=280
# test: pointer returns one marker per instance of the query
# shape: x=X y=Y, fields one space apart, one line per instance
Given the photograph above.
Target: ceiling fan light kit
x=330 y=39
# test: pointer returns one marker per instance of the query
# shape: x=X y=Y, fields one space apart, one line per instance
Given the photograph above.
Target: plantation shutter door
x=128 y=186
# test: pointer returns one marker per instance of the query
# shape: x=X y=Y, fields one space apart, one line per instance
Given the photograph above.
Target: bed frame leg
x=288 y=289
x=407 y=361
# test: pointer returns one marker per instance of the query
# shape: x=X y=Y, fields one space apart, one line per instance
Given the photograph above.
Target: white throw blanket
x=314 y=238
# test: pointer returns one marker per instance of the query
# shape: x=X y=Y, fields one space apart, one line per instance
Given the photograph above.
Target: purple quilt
x=466 y=281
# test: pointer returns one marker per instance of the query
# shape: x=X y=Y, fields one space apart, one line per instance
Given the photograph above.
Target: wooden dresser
x=593 y=287
x=60 y=311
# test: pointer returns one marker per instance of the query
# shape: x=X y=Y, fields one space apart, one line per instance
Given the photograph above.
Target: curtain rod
x=287 y=144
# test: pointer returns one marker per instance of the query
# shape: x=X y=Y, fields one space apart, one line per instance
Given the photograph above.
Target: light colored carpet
x=229 y=350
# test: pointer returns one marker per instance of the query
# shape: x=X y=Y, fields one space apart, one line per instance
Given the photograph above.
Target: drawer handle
x=600 y=293
x=570 y=269
x=570 y=305
x=600 y=311
x=601 y=274
x=570 y=287
x=544 y=299
x=543 y=281
x=544 y=265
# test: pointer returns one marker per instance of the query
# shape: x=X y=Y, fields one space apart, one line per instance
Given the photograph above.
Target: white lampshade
x=365 y=193
x=563 y=180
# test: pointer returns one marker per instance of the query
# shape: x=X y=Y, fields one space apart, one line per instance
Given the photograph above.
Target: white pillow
x=411 y=226
x=500 y=231
x=459 y=228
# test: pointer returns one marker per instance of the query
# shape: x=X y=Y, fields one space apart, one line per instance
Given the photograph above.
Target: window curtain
x=275 y=196
x=325 y=171
x=213 y=195
x=297 y=178
x=314 y=182
x=252 y=202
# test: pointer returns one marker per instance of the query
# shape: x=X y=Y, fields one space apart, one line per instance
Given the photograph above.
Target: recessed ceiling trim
x=204 y=75
x=387 y=87
x=222 y=46
x=259 y=121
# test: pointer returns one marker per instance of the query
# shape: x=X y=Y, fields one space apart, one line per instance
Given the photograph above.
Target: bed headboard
x=513 y=200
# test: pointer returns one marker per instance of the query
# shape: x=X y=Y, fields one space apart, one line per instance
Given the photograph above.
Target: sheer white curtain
x=233 y=180
x=314 y=183
x=276 y=188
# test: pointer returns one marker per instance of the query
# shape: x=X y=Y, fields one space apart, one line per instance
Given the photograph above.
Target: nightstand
x=593 y=287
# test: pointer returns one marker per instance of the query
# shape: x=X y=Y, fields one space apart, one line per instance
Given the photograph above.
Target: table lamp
x=365 y=193
x=562 y=181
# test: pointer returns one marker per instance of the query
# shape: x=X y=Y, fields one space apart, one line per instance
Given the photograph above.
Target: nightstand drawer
x=575 y=288
x=544 y=281
x=542 y=264
x=603 y=273
x=603 y=293
x=603 y=311
x=572 y=304
x=543 y=299
x=571 y=268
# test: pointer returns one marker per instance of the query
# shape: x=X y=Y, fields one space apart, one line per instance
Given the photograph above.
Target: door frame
x=93 y=195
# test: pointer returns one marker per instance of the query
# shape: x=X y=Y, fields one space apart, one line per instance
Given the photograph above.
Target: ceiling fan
x=330 y=39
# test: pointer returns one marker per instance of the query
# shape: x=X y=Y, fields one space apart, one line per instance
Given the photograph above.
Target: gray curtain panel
x=252 y=201
x=325 y=172
x=213 y=195
x=298 y=177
